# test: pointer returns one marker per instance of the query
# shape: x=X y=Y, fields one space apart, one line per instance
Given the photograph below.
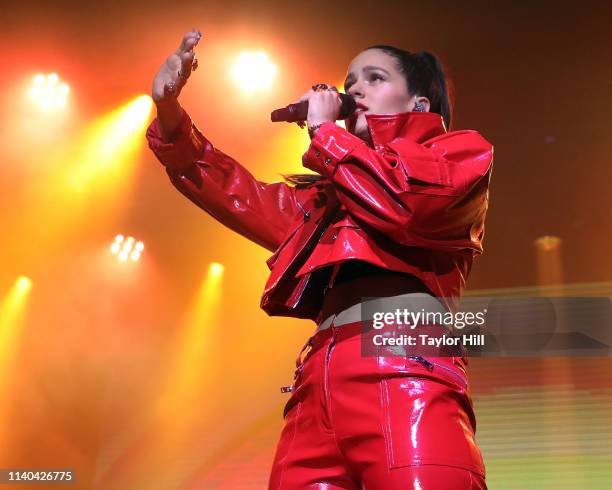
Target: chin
x=358 y=127
x=361 y=128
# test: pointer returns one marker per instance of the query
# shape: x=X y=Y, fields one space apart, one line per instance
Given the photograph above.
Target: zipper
x=326 y=374
x=327 y=356
x=306 y=213
x=430 y=366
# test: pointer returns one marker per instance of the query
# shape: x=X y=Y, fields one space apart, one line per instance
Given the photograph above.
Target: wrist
x=313 y=127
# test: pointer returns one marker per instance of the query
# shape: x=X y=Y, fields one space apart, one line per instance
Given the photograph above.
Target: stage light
x=108 y=148
x=125 y=248
x=253 y=71
x=23 y=285
x=549 y=260
x=12 y=308
x=48 y=92
x=215 y=269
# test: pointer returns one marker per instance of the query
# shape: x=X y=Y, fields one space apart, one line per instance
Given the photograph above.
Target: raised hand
x=174 y=72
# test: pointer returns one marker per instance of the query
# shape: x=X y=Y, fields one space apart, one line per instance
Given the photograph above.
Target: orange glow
x=253 y=71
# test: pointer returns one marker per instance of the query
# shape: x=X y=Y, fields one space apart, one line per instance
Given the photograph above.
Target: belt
x=354 y=313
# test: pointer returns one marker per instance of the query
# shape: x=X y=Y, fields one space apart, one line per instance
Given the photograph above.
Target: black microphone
x=299 y=111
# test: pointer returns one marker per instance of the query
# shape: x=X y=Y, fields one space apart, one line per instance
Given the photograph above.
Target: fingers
x=189 y=41
x=186 y=54
x=306 y=96
x=187 y=61
x=319 y=89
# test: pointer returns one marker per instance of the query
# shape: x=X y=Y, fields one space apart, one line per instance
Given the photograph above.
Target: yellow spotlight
x=11 y=315
x=192 y=351
x=253 y=71
x=10 y=310
x=109 y=148
x=48 y=92
x=215 y=269
x=23 y=285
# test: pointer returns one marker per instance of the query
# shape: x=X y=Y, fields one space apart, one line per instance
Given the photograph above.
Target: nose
x=355 y=90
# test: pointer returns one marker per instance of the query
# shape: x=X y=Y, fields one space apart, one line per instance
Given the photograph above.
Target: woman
x=395 y=211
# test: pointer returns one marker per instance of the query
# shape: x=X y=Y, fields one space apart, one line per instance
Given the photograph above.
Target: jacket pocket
x=431 y=177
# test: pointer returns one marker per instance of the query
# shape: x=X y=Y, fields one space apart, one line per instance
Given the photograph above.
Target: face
x=375 y=82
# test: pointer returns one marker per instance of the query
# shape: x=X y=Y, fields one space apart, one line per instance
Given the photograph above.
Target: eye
x=376 y=76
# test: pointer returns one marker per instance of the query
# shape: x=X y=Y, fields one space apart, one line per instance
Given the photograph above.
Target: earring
x=418 y=107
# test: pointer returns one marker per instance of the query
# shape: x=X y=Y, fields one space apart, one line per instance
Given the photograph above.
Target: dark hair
x=301 y=179
x=424 y=77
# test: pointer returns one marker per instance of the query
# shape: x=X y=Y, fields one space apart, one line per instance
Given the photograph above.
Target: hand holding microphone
x=321 y=104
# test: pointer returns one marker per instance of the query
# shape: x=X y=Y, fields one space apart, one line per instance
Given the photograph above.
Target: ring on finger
x=194 y=64
x=320 y=86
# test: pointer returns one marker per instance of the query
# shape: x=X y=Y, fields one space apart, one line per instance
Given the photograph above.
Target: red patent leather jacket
x=415 y=203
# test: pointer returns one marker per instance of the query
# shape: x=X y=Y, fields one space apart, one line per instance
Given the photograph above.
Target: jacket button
x=318 y=153
x=328 y=160
x=334 y=236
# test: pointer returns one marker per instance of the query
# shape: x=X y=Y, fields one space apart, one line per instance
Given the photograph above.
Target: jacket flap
x=428 y=171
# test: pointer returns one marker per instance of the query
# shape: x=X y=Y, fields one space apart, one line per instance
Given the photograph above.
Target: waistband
x=357 y=311
x=357 y=320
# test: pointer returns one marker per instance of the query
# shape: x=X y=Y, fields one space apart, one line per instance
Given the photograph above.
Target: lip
x=360 y=106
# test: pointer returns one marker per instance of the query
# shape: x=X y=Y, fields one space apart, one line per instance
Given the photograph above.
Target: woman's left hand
x=323 y=105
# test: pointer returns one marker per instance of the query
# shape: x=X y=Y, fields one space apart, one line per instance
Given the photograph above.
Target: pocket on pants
x=428 y=422
x=448 y=370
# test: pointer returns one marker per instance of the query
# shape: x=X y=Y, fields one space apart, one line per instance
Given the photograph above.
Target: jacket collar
x=417 y=126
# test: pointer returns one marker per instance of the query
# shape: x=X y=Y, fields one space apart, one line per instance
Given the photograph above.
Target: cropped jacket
x=415 y=202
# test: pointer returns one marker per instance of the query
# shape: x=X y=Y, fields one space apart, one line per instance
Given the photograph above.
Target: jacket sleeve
x=433 y=195
x=222 y=187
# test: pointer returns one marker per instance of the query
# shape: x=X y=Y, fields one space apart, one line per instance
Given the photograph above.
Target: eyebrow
x=365 y=68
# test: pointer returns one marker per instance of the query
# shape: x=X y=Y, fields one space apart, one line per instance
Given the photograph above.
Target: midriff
x=357 y=280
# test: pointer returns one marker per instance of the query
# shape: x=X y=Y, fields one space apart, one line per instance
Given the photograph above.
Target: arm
x=222 y=187
x=208 y=177
x=433 y=195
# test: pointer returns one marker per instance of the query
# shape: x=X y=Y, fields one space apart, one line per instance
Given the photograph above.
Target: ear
x=424 y=102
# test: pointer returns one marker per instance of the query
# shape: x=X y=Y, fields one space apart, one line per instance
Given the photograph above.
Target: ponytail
x=302 y=179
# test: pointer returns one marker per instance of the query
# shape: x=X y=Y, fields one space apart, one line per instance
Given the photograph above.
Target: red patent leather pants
x=376 y=423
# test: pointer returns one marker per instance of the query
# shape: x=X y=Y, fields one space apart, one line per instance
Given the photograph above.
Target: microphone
x=299 y=111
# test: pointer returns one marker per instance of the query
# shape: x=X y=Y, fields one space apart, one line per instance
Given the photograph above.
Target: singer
x=395 y=209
